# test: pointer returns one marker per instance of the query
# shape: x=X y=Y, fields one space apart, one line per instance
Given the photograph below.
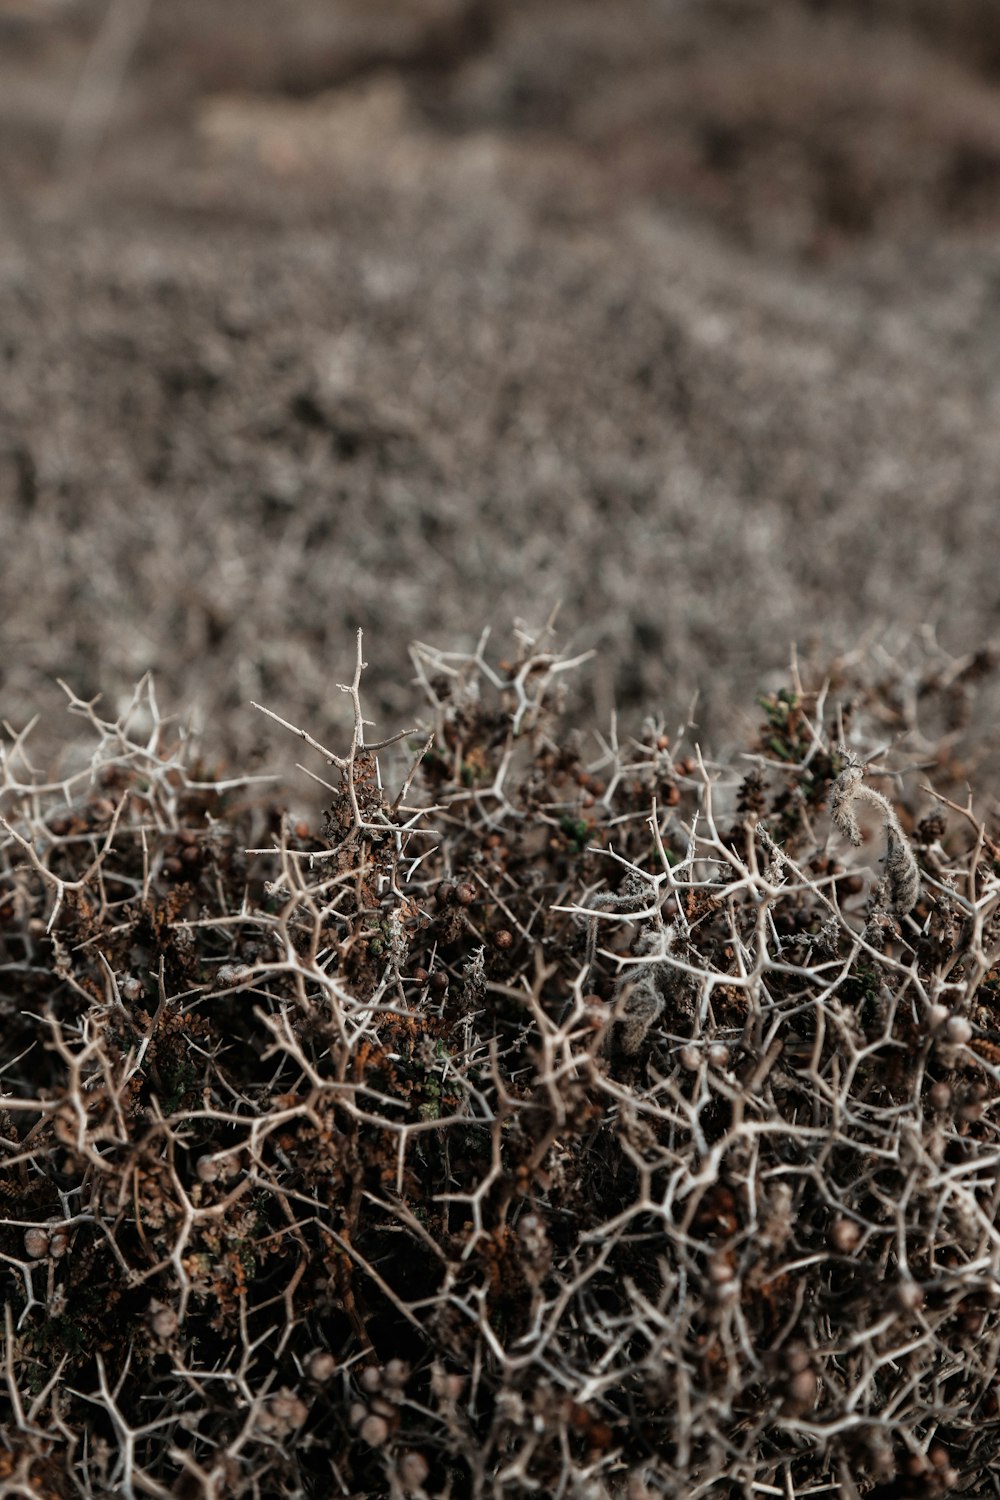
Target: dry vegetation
x=558 y=1115
x=505 y=1108
x=360 y=290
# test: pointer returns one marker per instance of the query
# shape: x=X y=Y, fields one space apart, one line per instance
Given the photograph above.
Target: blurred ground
x=426 y=314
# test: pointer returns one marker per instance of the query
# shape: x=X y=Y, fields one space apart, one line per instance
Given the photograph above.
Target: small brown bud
x=503 y=939
x=58 y=1243
x=413 y=1470
x=370 y=1378
x=321 y=1366
x=375 y=1431
x=802 y=1389
x=937 y=1016
x=939 y=1095
x=445 y=893
x=438 y=981
x=718 y=1055
x=357 y=1414
x=165 y=1322
x=397 y=1372
x=289 y=1410
x=465 y=894
x=230 y=974
x=36 y=1242
x=909 y=1296
x=447 y=1386
x=958 y=1031
x=845 y=1235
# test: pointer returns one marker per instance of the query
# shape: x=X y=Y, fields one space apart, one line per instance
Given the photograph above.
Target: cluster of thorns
x=539 y=1122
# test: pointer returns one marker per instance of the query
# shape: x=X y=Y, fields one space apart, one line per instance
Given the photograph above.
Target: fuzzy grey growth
x=845 y=789
x=639 y=999
x=641 y=1004
x=901 y=873
x=900 y=868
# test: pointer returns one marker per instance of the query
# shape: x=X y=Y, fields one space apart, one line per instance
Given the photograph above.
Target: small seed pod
x=357 y=1414
x=718 y=1055
x=958 y=1031
x=164 y=1322
x=58 y=1243
x=397 y=1372
x=690 y=1059
x=845 y=1235
x=288 y=1409
x=503 y=939
x=233 y=974
x=908 y=1296
x=937 y=1016
x=370 y=1379
x=973 y=1105
x=207 y=1169
x=413 y=1470
x=465 y=894
x=445 y=893
x=36 y=1243
x=321 y=1366
x=939 y=1096
x=801 y=1390
x=796 y=1358
x=375 y=1431
x=447 y=1386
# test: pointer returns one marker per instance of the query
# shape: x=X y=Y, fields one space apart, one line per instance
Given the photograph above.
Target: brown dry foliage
x=546 y=1118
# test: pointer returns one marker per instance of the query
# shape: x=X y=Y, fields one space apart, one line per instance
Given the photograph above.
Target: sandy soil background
x=428 y=314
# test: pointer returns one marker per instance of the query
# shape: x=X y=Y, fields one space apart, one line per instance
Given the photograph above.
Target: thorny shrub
x=554 y=1120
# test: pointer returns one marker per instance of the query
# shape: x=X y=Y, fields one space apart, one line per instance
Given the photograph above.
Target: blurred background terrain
x=423 y=315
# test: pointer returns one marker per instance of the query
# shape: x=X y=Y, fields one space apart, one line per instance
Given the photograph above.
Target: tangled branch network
x=549 y=1116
